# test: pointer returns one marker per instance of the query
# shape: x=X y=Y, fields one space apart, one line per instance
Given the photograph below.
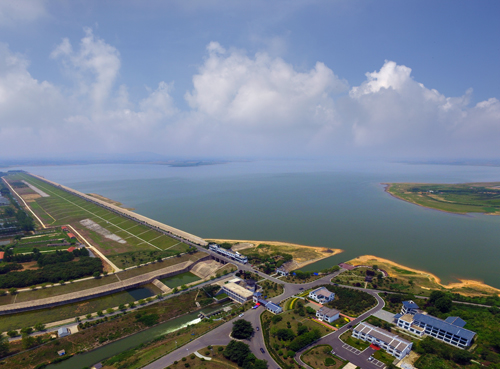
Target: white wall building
x=451 y=330
x=392 y=343
x=321 y=295
x=327 y=315
x=237 y=293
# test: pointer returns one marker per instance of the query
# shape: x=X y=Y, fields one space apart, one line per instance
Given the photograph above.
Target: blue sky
x=262 y=78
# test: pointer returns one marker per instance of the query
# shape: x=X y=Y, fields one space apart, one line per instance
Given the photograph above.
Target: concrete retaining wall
x=100 y=291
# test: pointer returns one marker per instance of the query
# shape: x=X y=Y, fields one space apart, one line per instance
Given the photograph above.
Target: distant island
x=452 y=198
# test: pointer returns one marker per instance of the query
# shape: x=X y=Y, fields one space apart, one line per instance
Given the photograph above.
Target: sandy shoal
x=464 y=283
x=324 y=251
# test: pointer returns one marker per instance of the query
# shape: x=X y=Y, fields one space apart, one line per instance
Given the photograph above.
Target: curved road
x=220 y=335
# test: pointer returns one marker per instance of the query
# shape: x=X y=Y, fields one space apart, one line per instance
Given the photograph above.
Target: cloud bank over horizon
x=239 y=105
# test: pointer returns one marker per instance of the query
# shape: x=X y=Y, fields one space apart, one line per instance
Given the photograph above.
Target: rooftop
x=237 y=289
x=407 y=318
x=390 y=339
x=328 y=312
x=445 y=326
x=410 y=305
x=455 y=320
x=322 y=291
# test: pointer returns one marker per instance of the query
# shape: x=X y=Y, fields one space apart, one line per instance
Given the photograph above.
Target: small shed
x=61 y=352
x=63 y=332
x=1 y=255
x=71 y=236
x=71 y=249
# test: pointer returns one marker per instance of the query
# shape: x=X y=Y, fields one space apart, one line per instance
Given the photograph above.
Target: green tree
x=12 y=334
x=39 y=327
x=443 y=304
x=28 y=342
x=242 y=329
x=285 y=334
x=4 y=345
x=237 y=352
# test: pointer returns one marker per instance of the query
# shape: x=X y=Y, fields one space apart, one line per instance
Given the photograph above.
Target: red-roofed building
x=71 y=236
x=1 y=255
x=65 y=229
x=71 y=249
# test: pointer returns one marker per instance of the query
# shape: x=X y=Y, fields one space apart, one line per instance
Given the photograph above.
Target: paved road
x=341 y=349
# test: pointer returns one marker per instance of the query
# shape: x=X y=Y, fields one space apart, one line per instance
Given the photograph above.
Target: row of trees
x=53 y=273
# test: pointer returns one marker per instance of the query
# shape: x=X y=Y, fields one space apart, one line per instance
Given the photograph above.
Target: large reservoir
x=331 y=204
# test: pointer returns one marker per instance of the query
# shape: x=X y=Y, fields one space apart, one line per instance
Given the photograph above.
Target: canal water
x=112 y=349
x=100 y=354
x=180 y=279
x=334 y=204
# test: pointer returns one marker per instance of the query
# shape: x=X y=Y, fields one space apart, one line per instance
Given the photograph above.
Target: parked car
x=301 y=288
x=241 y=315
x=257 y=328
x=262 y=350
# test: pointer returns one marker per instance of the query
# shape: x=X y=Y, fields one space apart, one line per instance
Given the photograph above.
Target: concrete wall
x=100 y=291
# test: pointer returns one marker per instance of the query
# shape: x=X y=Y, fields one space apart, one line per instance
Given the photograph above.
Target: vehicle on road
x=257 y=328
x=262 y=350
x=301 y=288
x=241 y=315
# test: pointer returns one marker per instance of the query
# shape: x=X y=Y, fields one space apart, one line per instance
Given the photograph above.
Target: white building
x=392 y=343
x=409 y=307
x=237 y=293
x=273 y=308
x=63 y=332
x=451 y=330
x=327 y=315
x=233 y=255
x=321 y=295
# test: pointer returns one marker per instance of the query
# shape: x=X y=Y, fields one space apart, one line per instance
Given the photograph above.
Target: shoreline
x=464 y=283
x=319 y=249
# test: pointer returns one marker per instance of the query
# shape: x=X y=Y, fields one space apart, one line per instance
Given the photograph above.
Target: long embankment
x=130 y=214
x=102 y=290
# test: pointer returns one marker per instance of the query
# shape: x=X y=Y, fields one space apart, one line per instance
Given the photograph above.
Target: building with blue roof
x=455 y=320
x=409 y=307
x=273 y=308
x=451 y=330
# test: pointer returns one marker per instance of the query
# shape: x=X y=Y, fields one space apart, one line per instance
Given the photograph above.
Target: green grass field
x=62 y=208
x=453 y=198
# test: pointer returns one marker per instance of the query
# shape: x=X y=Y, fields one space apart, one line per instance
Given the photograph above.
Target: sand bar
x=464 y=283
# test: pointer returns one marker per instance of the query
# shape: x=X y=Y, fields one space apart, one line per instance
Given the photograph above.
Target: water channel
x=102 y=353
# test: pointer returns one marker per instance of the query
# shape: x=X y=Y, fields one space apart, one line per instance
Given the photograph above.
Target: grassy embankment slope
x=453 y=198
x=136 y=243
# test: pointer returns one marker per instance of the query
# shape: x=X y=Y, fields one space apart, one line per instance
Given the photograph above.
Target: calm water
x=314 y=203
x=93 y=357
x=180 y=279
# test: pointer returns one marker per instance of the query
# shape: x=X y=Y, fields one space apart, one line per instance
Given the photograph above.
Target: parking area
x=352 y=349
x=385 y=315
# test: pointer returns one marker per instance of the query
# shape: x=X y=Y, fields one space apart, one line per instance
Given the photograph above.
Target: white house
x=327 y=315
x=321 y=295
x=390 y=342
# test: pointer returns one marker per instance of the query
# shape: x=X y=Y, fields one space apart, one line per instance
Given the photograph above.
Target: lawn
x=455 y=198
x=320 y=357
x=67 y=208
x=384 y=357
x=290 y=320
x=354 y=342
